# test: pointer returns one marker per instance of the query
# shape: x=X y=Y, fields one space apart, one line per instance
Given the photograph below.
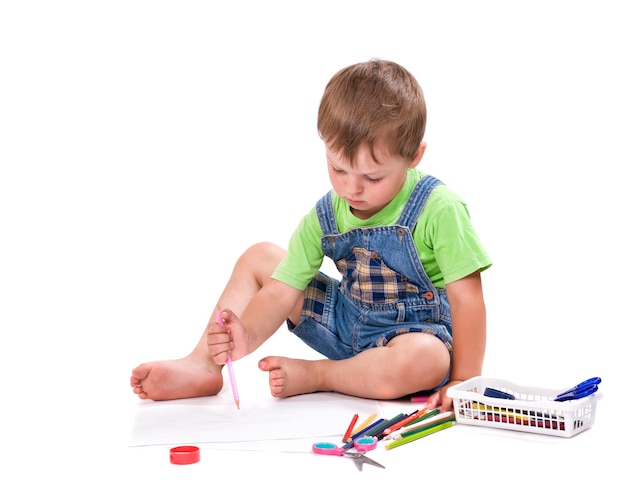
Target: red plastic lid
x=184 y=455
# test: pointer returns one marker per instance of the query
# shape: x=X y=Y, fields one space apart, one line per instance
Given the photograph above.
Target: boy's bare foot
x=290 y=377
x=174 y=379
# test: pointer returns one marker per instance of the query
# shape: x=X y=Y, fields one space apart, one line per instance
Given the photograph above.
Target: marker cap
x=184 y=455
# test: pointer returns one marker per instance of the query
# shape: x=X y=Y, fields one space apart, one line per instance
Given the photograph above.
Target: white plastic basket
x=532 y=410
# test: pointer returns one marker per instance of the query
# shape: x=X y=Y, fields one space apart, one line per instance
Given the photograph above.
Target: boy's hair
x=373 y=102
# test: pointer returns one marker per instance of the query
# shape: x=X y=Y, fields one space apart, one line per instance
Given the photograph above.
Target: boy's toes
x=270 y=363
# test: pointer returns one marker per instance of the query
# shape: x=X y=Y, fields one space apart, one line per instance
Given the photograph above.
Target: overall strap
x=326 y=214
x=417 y=200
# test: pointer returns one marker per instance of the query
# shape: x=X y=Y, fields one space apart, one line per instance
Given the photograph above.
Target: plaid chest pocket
x=368 y=279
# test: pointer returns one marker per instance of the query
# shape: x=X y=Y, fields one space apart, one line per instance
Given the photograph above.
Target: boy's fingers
x=433 y=401
x=220 y=352
x=227 y=315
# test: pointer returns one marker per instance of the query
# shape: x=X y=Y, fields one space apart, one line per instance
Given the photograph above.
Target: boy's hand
x=440 y=398
x=227 y=339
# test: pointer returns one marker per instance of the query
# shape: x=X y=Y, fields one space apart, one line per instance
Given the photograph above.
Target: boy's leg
x=409 y=363
x=196 y=374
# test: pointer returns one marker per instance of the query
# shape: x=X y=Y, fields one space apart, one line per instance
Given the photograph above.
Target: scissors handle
x=364 y=444
x=328 y=449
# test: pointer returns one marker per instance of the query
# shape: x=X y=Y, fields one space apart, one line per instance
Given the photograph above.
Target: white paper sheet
x=217 y=420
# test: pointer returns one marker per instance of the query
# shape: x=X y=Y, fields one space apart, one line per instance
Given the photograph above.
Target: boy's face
x=367 y=185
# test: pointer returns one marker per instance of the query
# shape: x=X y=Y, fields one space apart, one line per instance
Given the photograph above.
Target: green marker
x=419 y=435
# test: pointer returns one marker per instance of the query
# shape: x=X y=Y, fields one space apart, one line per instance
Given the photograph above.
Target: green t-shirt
x=446 y=241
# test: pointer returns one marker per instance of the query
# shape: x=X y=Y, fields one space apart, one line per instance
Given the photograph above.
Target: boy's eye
x=372 y=180
x=337 y=171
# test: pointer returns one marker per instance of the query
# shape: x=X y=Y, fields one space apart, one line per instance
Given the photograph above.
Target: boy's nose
x=353 y=186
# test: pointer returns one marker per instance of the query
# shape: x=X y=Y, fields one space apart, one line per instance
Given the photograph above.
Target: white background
x=145 y=145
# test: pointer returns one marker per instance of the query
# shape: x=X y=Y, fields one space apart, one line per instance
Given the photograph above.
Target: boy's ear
x=418 y=155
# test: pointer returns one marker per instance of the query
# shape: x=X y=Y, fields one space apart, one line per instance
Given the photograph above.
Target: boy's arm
x=469 y=332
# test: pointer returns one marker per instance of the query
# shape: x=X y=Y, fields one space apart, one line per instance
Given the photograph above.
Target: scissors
x=362 y=445
x=581 y=390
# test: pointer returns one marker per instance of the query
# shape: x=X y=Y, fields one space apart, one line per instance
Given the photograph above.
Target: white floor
x=145 y=145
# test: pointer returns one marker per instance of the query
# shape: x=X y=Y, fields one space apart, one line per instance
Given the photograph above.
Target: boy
x=409 y=257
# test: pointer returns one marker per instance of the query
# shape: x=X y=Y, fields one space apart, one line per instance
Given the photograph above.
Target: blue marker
x=494 y=393
x=581 y=390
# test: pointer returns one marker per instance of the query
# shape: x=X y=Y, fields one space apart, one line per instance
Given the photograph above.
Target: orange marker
x=410 y=419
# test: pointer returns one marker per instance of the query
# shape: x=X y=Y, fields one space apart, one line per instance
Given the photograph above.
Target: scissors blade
x=360 y=458
x=370 y=461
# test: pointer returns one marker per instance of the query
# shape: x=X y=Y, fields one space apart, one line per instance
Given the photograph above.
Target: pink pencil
x=229 y=364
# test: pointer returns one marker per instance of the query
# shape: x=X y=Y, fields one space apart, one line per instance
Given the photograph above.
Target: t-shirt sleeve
x=304 y=254
x=456 y=246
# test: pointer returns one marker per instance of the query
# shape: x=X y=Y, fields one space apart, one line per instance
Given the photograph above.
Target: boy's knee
x=262 y=256
x=264 y=251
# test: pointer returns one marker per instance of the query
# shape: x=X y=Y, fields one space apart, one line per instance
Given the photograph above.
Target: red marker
x=348 y=433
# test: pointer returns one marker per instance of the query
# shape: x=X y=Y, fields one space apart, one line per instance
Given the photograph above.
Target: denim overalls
x=384 y=291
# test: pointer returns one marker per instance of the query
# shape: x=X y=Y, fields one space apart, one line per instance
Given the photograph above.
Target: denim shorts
x=338 y=328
